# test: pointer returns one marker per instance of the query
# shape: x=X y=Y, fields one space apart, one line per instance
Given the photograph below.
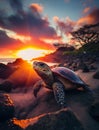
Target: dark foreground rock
x=9 y=125
x=85 y=68
x=6 y=108
x=6 y=86
x=96 y=75
x=94 y=111
x=5 y=71
x=24 y=74
x=60 y=120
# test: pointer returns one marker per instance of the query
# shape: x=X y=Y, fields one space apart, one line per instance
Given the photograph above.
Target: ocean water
x=10 y=60
x=6 y=60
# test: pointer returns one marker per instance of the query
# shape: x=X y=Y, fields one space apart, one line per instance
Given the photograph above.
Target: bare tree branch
x=87 y=34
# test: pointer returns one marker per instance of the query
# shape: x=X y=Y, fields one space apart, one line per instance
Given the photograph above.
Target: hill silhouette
x=63 y=53
x=56 y=56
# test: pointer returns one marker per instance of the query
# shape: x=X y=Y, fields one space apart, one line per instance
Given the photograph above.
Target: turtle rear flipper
x=59 y=94
x=87 y=89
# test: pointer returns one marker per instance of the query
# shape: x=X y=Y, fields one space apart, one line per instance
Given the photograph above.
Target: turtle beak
x=36 y=66
x=35 y=62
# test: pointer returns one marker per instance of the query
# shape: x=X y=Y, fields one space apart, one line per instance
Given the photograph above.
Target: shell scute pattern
x=68 y=74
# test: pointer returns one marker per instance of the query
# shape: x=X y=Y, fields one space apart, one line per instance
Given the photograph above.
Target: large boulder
x=7 y=114
x=6 y=86
x=6 y=107
x=18 y=61
x=24 y=74
x=60 y=120
x=5 y=71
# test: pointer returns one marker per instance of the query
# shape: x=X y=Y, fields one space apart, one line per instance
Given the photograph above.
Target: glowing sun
x=29 y=53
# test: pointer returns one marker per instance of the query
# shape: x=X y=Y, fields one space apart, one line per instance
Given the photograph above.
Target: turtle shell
x=68 y=74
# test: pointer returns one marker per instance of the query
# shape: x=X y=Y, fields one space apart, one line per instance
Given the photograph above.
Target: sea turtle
x=57 y=79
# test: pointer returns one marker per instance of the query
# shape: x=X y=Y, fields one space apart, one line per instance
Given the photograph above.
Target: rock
x=6 y=86
x=19 y=62
x=6 y=107
x=9 y=125
x=93 y=68
x=85 y=68
x=96 y=75
x=60 y=120
x=94 y=111
x=5 y=71
x=24 y=75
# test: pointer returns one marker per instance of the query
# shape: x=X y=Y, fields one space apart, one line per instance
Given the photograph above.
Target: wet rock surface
x=60 y=120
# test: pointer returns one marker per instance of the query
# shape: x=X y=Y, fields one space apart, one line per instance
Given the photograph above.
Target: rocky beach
x=20 y=110
x=49 y=65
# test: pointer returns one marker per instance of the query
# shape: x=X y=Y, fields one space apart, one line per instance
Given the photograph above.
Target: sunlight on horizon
x=30 y=53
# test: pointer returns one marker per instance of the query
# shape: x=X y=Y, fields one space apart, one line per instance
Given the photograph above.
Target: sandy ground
x=27 y=106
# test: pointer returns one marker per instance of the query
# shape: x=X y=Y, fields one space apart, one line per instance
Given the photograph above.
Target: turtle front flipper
x=37 y=86
x=59 y=94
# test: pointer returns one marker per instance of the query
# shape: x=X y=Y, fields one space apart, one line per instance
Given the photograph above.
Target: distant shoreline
x=6 y=60
x=11 y=60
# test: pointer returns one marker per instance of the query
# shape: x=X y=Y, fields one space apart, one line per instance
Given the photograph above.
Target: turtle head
x=44 y=71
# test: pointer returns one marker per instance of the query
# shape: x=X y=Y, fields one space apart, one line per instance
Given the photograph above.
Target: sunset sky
x=34 y=25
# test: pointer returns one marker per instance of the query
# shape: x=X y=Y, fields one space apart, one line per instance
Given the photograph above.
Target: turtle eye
x=42 y=64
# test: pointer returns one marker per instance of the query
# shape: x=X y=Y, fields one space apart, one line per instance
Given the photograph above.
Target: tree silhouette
x=87 y=34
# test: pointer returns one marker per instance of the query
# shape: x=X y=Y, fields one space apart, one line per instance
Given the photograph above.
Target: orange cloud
x=36 y=7
x=85 y=20
x=39 y=44
x=91 y=18
x=56 y=18
x=10 y=49
x=67 y=25
x=86 y=10
x=25 y=28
